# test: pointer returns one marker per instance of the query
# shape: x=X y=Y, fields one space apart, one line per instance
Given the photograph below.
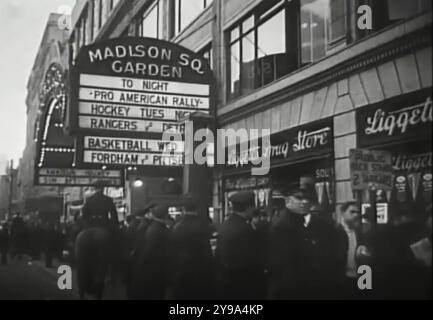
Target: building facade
x=9 y=204
x=45 y=79
x=309 y=73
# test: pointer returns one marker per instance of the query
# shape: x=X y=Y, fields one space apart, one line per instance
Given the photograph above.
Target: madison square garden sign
x=125 y=93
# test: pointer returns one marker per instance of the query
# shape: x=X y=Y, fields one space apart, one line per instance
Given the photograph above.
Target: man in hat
x=150 y=272
x=237 y=254
x=191 y=255
x=301 y=258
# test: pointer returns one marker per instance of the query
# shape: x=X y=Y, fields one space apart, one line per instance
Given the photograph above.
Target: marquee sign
x=126 y=92
x=79 y=177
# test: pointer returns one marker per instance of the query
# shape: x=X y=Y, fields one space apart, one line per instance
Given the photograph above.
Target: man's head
x=350 y=215
x=189 y=203
x=299 y=198
x=160 y=212
x=243 y=202
x=99 y=186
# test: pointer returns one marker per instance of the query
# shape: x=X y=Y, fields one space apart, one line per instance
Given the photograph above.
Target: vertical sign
x=126 y=92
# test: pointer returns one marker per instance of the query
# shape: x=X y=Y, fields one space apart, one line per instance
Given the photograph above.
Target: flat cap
x=243 y=199
x=160 y=211
x=189 y=201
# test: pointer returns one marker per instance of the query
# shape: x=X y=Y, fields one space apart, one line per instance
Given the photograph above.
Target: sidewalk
x=112 y=291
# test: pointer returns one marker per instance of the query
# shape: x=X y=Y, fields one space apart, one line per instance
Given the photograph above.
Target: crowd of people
x=298 y=254
x=19 y=238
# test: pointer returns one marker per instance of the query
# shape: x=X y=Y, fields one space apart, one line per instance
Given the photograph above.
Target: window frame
x=261 y=14
x=144 y=14
x=177 y=15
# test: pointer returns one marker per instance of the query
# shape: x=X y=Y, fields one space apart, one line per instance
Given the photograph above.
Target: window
x=323 y=23
x=83 y=35
x=403 y=9
x=387 y=12
x=257 y=49
x=113 y=4
x=105 y=11
x=280 y=36
x=149 y=22
x=186 y=11
x=96 y=16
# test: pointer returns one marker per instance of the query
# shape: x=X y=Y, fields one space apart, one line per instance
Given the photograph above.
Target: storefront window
x=186 y=11
x=409 y=145
x=323 y=23
x=149 y=24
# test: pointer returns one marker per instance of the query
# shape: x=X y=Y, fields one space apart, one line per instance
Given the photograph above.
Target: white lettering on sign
x=390 y=122
x=130 y=158
x=75 y=181
x=310 y=140
x=136 y=84
x=151 y=52
x=111 y=124
x=137 y=51
x=134 y=112
x=144 y=99
x=412 y=162
x=133 y=145
x=79 y=173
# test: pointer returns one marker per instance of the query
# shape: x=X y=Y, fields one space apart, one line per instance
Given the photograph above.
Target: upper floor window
x=149 y=22
x=101 y=11
x=323 y=24
x=257 y=48
x=96 y=16
x=186 y=11
x=113 y=3
x=386 y=12
x=278 y=37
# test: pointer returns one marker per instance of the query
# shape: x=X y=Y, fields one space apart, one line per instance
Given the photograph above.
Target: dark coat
x=4 y=239
x=239 y=259
x=191 y=259
x=100 y=208
x=301 y=260
x=150 y=272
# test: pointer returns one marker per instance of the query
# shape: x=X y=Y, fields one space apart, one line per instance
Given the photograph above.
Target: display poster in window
x=370 y=169
x=382 y=213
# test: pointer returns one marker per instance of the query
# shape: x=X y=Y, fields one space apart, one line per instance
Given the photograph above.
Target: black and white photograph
x=216 y=155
